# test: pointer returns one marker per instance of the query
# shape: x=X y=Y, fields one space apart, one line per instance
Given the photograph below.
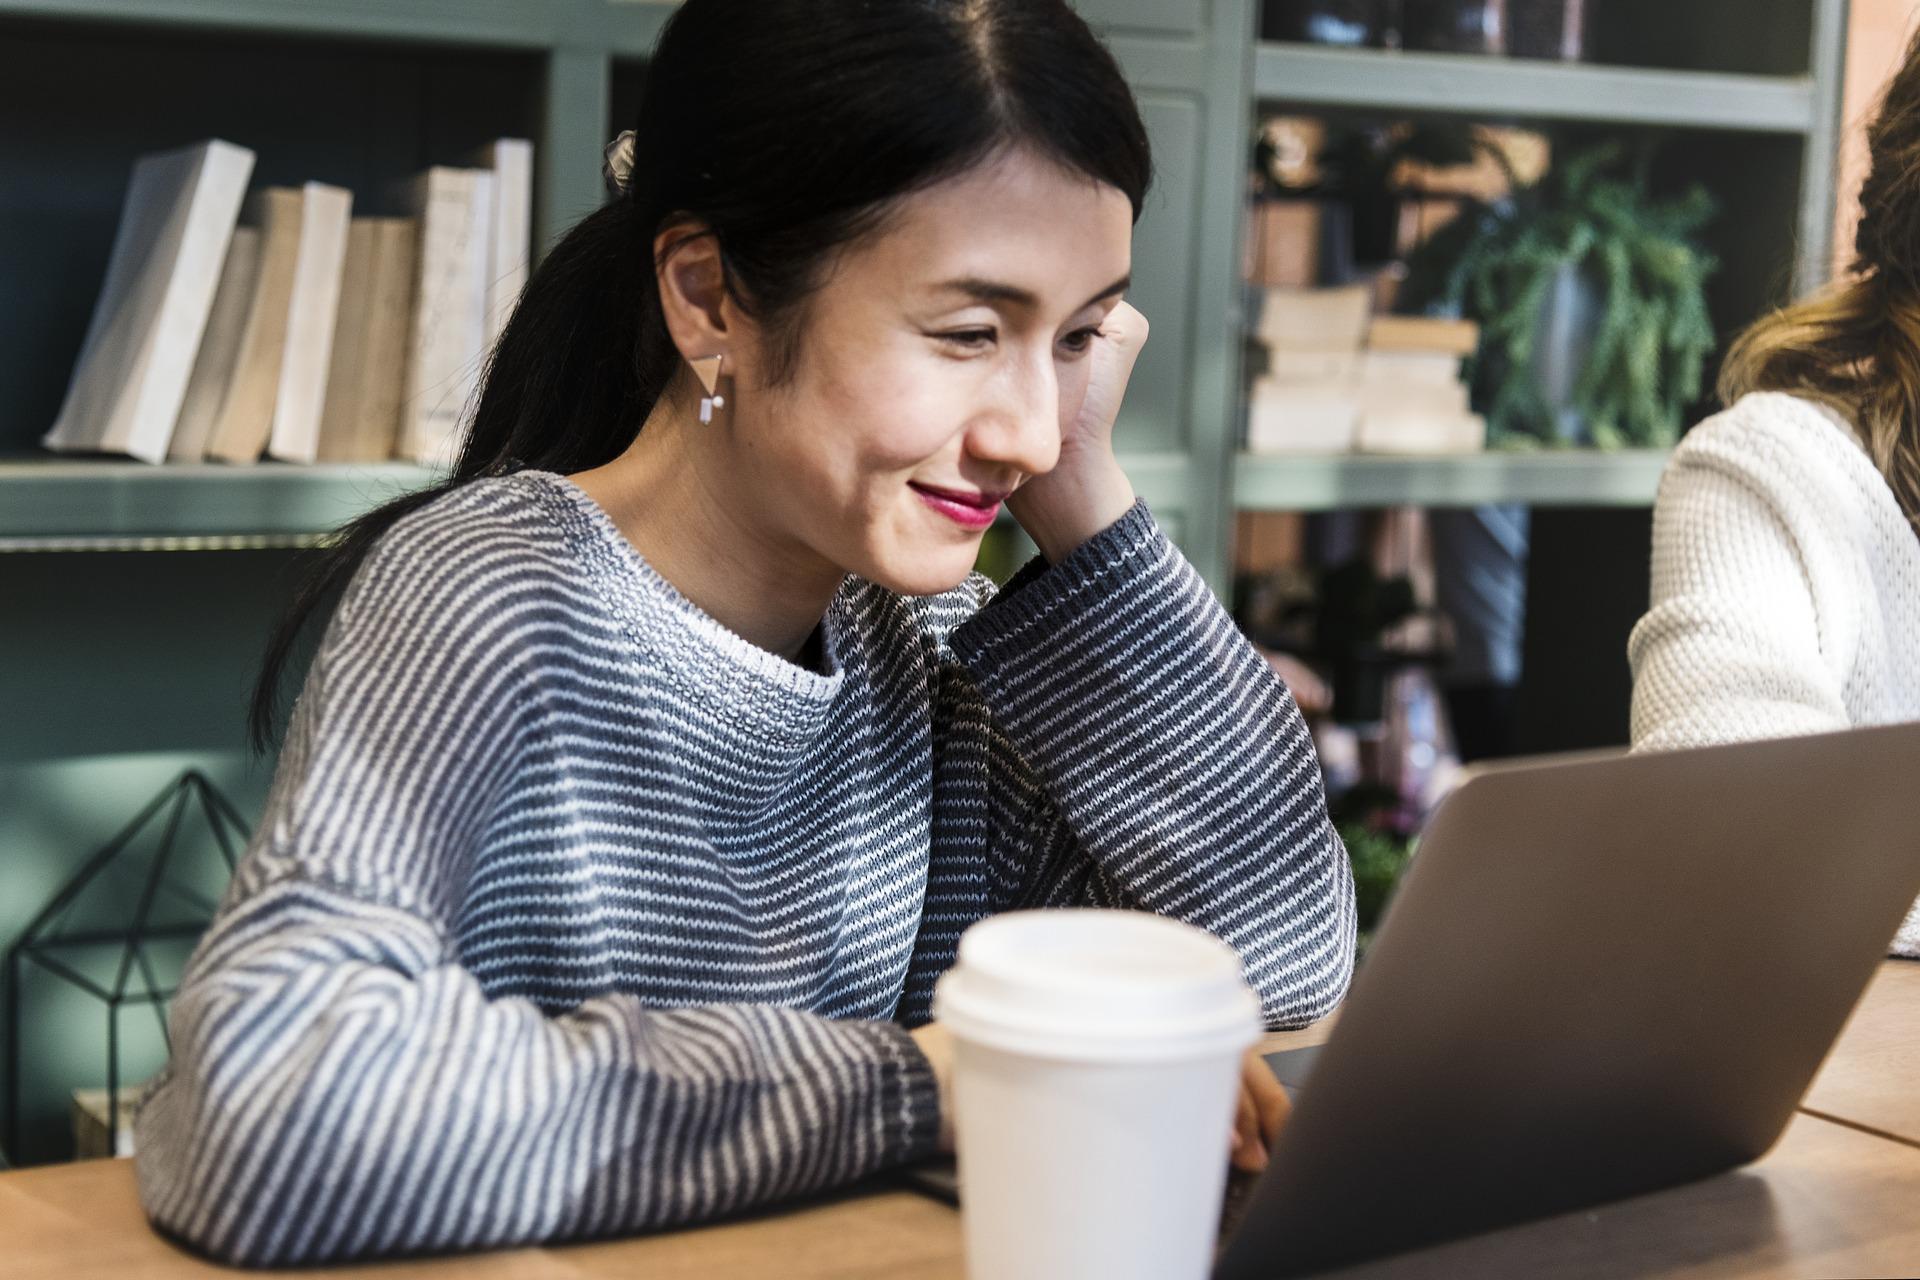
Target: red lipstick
x=975 y=511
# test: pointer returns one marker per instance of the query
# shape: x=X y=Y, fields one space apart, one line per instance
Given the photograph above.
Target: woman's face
x=938 y=365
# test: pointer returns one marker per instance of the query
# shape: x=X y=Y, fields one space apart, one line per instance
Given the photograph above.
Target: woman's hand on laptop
x=1263 y=1110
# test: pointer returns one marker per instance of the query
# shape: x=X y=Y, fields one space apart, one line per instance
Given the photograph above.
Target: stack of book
x=1339 y=379
x=235 y=326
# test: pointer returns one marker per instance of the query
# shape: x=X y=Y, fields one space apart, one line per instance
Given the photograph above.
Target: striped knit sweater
x=572 y=913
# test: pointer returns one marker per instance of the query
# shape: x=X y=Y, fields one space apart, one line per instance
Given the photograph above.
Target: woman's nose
x=1021 y=429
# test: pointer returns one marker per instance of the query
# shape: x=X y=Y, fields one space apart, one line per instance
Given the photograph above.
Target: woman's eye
x=1081 y=339
x=969 y=339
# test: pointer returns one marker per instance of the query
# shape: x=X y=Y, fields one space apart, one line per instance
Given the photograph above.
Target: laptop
x=1599 y=978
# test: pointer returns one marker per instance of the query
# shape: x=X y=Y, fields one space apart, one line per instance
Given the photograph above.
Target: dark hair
x=785 y=128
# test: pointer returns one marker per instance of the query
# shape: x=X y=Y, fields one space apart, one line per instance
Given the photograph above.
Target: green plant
x=1379 y=858
x=1495 y=264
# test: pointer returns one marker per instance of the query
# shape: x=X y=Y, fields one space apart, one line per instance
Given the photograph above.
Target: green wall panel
x=117 y=671
x=1164 y=248
x=1155 y=17
x=111 y=653
x=53 y=814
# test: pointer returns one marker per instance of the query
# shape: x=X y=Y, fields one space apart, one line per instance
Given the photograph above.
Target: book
x=1406 y=397
x=1269 y=541
x=1294 y=365
x=361 y=418
x=1283 y=244
x=312 y=311
x=245 y=419
x=1448 y=399
x=143 y=339
x=1423 y=333
x=219 y=348
x=449 y=337
x=1369 y=398
x=1409 y=368
x=511 y=162
x=1301 y=417
x=1420 y=432
x=1315 y=319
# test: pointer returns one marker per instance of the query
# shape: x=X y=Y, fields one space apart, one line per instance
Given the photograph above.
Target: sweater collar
x=720 y=670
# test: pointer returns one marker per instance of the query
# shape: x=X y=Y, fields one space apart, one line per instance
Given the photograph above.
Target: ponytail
x=584 y=348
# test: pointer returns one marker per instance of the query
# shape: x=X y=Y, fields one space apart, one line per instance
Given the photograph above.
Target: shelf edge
x=1460 y=84
x=1565 y=478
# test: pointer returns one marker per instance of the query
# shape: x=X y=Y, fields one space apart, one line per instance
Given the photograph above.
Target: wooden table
x=1872 y=1077
x=1833 y=1199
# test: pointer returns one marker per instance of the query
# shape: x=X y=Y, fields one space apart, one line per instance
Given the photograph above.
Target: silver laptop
x=1599 y=978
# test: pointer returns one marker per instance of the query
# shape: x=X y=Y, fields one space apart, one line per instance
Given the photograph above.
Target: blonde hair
x=1855 y=345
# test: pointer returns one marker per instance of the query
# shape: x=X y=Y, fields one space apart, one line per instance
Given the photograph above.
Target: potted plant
x=1590 y=296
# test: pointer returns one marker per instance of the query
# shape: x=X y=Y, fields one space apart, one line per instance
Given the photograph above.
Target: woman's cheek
x=920 y=422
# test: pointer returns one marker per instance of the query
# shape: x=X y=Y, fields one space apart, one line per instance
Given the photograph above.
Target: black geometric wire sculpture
x=45 y=938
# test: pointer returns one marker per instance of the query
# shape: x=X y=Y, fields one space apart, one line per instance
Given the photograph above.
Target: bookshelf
x=1743 y=96
x=1191 y=63
x=1792 y=94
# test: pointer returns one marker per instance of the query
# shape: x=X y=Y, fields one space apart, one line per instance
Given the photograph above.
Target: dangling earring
x=707 y=369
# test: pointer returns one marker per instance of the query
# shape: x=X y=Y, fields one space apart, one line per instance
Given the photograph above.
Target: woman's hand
x=1086 y=491
x=1264 y=1108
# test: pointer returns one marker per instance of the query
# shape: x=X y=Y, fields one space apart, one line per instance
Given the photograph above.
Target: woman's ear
x=693 y=291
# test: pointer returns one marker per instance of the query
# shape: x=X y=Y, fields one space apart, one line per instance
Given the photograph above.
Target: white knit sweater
x=1786 y=589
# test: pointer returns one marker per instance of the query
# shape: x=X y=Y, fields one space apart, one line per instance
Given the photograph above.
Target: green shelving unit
x=103 y=505
x=1741 y=95
x=1471 y=85
x=1568 y=477
x=107 y=505
x=1198 y=69
x=1742 y=76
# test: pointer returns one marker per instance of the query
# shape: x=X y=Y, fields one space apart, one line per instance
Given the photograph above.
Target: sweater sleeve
x=341 y=1087
x=1145 y=756
x=1731 y=646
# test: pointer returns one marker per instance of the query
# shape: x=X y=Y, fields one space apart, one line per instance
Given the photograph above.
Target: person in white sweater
x=1786 y=568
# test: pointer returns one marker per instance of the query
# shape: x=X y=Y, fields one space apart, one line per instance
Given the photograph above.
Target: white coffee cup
x=1096 y=1070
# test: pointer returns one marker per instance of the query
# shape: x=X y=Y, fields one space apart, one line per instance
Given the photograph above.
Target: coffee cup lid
x=1090 y=984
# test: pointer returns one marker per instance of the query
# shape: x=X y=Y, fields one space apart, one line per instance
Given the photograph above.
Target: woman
x=1786 y=567
x=650 y=769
